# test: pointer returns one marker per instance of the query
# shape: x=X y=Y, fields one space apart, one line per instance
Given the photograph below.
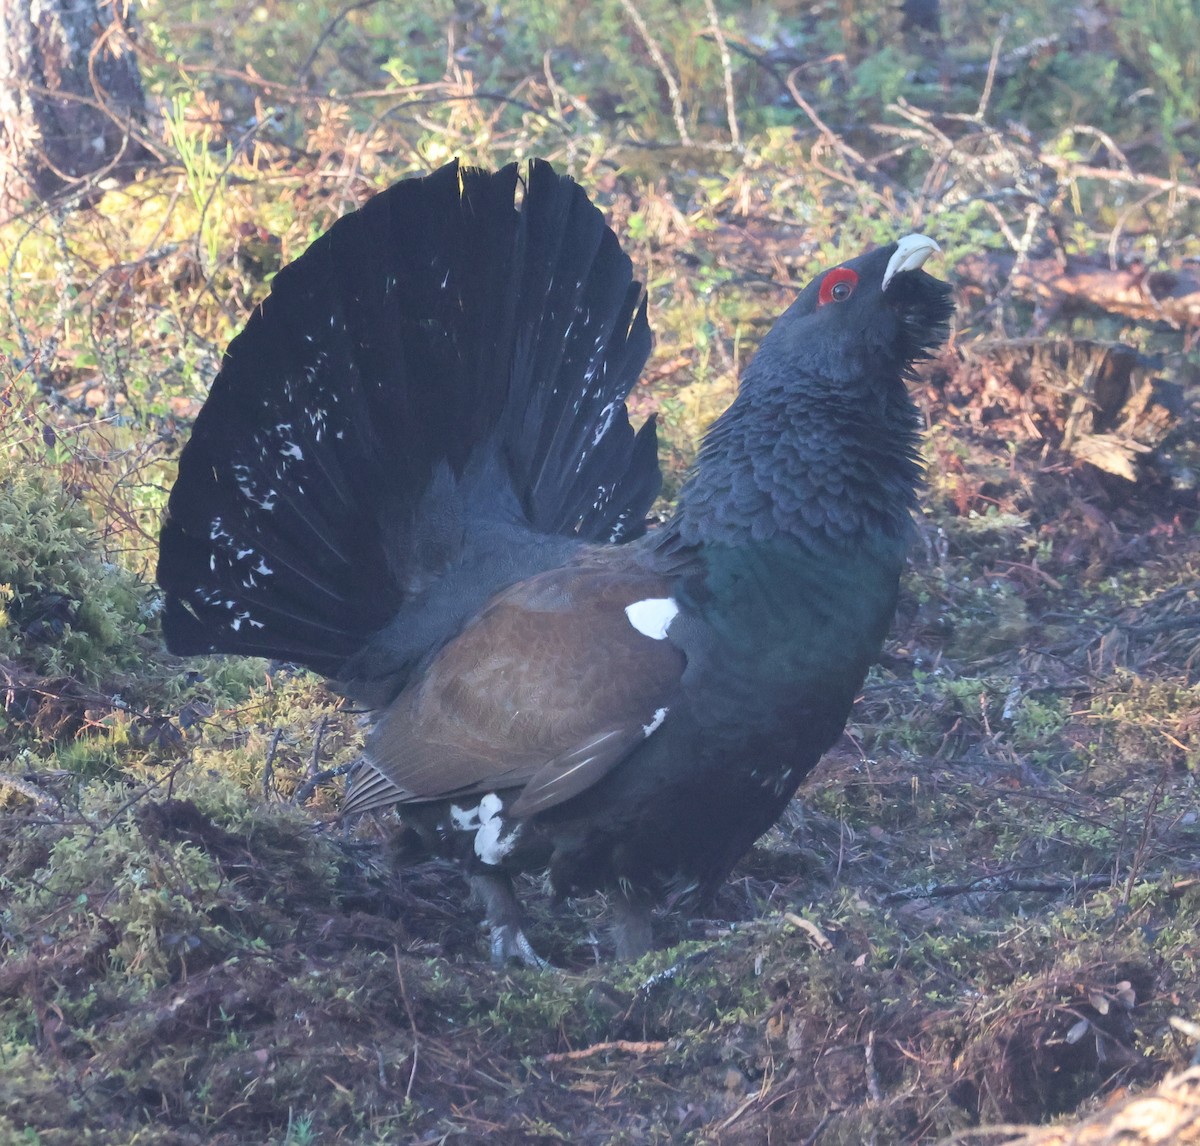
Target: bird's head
x=821 y=441
x=878 y=311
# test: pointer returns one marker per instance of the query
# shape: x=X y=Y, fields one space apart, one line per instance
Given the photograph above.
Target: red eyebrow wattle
x=834 y=278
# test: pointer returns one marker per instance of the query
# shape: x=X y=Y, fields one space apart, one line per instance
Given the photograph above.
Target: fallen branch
x=1148 y=296
x=624 y=1045
x=1002 y=883
x=318 y=778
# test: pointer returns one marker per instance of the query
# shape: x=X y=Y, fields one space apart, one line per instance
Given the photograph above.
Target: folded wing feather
x=548 y=689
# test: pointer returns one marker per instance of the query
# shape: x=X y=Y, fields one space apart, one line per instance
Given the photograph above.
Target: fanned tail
x=452 y=354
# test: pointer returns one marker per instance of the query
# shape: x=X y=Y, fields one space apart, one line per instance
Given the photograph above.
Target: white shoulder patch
x=660 y=714
x=653 y=616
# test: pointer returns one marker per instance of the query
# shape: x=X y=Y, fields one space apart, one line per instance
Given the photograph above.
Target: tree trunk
x=70 y=97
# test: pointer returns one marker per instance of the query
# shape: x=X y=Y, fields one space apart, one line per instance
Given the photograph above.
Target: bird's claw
x=509 y=943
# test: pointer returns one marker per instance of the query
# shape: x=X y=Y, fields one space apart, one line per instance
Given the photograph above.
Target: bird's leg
x=504 y=919
x=631 y=929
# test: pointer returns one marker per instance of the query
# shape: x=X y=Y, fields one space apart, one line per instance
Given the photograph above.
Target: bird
x=416 y=474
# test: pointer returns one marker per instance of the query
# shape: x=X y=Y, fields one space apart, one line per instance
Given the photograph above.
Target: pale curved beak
x=911 y=253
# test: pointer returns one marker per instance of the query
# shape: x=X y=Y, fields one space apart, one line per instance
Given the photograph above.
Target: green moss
x=63 y=610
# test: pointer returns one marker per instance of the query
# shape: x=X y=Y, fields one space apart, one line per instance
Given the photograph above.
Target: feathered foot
x=631 y=928
x=504 y=919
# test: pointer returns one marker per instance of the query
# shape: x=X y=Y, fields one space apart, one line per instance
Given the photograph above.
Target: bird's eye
x=837 y=286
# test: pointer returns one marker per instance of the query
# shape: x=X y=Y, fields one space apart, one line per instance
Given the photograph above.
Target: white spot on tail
x=659 y=716
x=607 y=414
x=653 y=616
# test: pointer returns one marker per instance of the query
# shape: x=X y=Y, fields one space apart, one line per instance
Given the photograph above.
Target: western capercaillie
x=415 y=474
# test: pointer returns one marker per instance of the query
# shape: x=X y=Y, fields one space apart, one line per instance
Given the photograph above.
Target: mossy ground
x=981 y=910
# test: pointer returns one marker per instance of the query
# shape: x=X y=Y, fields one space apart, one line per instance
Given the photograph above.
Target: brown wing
x=546 y=690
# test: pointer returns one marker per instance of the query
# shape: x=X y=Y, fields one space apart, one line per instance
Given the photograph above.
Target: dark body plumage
x=416 y=475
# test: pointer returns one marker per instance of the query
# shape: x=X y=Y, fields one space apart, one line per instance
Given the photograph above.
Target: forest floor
x=975 y=924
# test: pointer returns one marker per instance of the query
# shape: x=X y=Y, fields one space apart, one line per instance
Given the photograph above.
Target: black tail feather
x=442 y=323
